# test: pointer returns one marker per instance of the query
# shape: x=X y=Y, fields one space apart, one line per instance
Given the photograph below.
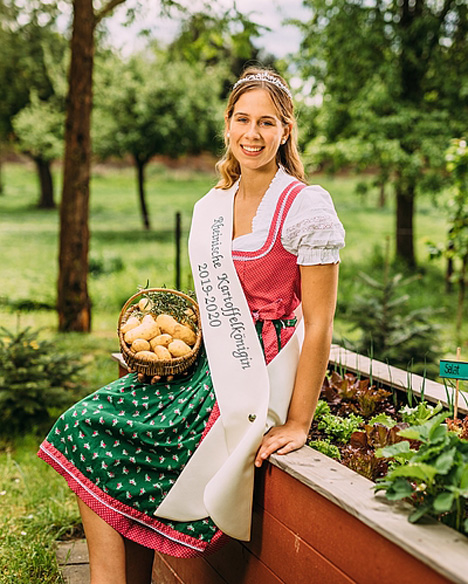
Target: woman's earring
x=228 y=135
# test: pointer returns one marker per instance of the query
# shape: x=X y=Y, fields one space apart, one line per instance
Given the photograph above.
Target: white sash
x=218 y=479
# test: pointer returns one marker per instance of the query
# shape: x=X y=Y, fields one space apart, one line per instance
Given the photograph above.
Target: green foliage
x=420 y=413
x=37 y=508
x=29 y=44
x=36 y=382
x=390 y=331
x=224 y=39
x=321 y=410
x=389 y=91
x=456 y=247
x=39 y=128
x=147 y=106
x=326 y=448
x=435 y=476
x=338 y=428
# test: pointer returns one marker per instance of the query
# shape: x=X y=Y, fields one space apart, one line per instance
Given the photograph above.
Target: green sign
x=453 y=369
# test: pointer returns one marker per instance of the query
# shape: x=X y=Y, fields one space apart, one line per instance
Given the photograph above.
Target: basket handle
x=141 y=292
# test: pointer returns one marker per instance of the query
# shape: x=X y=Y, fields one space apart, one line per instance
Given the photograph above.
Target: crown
x=263 y=77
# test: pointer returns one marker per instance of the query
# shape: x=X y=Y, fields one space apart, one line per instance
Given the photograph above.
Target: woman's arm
x=319 y=287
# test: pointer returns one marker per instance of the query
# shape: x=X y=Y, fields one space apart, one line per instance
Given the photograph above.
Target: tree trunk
x=382 y=195
x=46 y=200
x=461 y=294
x=405 y=196
x=141 y=192
x=2 y=190
x=74 y=306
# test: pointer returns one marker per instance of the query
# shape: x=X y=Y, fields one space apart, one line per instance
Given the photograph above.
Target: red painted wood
x=239 y=566
x=189 y=571
x=163 y=573
x=366 y=556
x=289 y=556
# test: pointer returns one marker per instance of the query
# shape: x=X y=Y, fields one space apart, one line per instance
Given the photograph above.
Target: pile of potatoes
x=158 y=338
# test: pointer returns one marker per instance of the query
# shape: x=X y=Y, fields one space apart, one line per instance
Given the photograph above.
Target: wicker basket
x=163 y=368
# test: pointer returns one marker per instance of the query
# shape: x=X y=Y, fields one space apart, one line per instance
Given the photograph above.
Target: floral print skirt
x=122 y=448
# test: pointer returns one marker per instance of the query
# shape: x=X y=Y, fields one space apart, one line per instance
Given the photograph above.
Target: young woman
x=168 y=465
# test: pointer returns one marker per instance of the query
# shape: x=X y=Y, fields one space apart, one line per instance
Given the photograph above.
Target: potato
x=162 y=353
x=145 y=305
x=146 y=356
x=184 y=333
x=162 y=340
x=191 y=314
x=140 y=345
x=178 y=348
x=147 y=330
x=131 y=323
x=166 y=323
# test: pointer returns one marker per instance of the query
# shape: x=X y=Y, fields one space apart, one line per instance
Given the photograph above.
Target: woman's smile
x=256 y=131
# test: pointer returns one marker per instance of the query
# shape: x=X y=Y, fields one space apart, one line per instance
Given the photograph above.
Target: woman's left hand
x=281 y=439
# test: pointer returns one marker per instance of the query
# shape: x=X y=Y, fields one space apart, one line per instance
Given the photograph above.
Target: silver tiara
x=263 y=77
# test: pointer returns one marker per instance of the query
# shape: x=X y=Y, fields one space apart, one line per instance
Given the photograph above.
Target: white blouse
x=311 y=231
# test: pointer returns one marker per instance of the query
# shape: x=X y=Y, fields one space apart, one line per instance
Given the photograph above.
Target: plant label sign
x=453 y=369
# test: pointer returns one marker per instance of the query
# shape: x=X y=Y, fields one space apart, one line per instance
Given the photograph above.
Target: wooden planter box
x=318 y=522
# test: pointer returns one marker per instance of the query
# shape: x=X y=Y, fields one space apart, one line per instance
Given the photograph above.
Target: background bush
x=36 y=381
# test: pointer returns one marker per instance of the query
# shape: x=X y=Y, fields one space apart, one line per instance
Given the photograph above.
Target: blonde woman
x=169 y=465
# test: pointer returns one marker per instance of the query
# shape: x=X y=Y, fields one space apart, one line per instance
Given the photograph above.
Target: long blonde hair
x=287 y=156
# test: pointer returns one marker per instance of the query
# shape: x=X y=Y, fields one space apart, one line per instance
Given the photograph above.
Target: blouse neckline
x=266 y=205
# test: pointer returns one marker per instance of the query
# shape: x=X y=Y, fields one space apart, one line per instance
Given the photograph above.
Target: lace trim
x=316 y=223
x=269 y=200
x=310 y=256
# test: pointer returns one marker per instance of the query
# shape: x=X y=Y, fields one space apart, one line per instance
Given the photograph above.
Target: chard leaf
x=444 y=461
x=421 y=471
x=443 y=502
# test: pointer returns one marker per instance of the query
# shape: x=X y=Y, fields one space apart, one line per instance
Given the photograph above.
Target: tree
x=224 y=39
x=31 y=50
x=392 y=74
x=175 y=112
x=39 y=128
x=73 y=303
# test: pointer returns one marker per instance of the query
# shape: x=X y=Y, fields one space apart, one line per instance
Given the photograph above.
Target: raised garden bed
x=317 y=521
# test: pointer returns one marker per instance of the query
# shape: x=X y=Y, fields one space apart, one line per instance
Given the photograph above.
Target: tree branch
x=107 y=9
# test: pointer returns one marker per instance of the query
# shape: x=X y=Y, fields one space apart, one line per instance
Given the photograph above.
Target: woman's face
x=256 y=131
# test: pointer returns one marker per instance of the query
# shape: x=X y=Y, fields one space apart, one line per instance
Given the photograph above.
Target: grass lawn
x=35 y=505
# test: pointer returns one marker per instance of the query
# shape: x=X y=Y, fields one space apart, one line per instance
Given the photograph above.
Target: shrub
x=36 y=381
x=391 y=332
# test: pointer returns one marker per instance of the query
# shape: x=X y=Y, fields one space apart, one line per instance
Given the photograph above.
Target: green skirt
x=123 y=447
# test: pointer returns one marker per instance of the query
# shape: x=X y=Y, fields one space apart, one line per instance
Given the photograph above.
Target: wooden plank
x=162 y=572
x=393 y=376
x=291 y=558
x=238 y=565
x=339 y=536
x=187 y=570
x=441 y=548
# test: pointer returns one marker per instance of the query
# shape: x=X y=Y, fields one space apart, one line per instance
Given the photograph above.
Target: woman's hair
x=288 y=156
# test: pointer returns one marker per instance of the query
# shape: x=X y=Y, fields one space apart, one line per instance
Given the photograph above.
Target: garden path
x=72 y=557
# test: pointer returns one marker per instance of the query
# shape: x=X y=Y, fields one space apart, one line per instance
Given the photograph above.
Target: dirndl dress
x=123 y=447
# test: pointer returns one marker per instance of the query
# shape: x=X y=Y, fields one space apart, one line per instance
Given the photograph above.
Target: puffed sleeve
x=312 y=230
